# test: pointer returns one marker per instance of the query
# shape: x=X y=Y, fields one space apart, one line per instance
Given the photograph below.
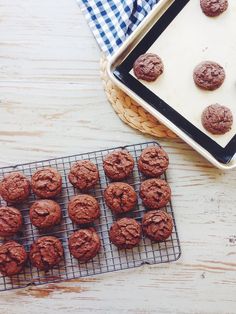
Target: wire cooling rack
x=109 y=258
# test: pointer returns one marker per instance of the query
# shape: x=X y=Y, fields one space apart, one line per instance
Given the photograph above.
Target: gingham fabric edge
x=112 y=21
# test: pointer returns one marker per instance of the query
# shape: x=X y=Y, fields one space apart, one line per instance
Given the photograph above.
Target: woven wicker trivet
x=129 y=111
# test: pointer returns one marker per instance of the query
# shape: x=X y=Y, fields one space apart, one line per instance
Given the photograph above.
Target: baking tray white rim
x=132 y=41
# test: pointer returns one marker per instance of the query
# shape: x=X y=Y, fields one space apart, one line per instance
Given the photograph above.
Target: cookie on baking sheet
x=118 y=165
x=83 y=174
x=84 y=244
x=46 y=252
x=120 y=197
x=15 y=187
x=157 y=225
x=209 y=75
x=217 y=119
x=155 y=193
x=148 y=67
x=45 y=214
x=125 y=233
x=10 y=221
x=153 y=161
x=213 y=8
x=46 y=182
x=12 y=258
x=83 y=209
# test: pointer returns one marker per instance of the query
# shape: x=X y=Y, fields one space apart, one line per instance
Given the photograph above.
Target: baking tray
x=148 y=37
x=109 y=258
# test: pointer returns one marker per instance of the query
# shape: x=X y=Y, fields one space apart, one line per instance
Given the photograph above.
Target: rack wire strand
x=109 y=258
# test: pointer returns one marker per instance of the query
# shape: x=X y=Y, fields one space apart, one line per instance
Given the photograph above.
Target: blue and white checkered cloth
x=112 y=21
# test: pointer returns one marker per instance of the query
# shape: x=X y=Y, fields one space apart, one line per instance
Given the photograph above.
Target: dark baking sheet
x=222 y=154
x=109 y=258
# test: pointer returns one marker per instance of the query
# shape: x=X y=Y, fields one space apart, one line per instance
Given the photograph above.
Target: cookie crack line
x=82 y=216
x=6 y=222
x=86 y=249
x=58 y=252
x=44 y=258
x=81 y=211
x=161 y=229
x=12 y=257
x=155 y=161
x=89 y=169
x=120 y=199
x=47 y=187
x=132 y=234
x=156 y=194
x=45 y=213
x=85 y=245
x=51 y=189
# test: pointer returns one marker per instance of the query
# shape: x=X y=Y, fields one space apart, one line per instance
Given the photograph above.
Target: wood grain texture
x=51 y=104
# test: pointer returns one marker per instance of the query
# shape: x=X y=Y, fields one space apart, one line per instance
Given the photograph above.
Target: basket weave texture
x=129 y=111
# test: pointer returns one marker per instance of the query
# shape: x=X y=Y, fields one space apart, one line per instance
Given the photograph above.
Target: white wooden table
x=52 y=104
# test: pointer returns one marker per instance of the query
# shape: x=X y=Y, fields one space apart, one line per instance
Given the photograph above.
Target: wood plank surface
x=52 y=104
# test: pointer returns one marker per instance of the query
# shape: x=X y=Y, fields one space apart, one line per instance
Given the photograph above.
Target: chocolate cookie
x=153 y=161
x=46 y=182
x=125 y=233
x=10 y=221
x=217 y=119
x=148 y=67
x=209 y=75
x=12 y=258
x=15 y=187
x=157 y=225
x=155 y=193
x=46 y=252
x=213 y=7
x=84 y=244
x=83 y=209
x=118 y=165
x=120 y=197
x=45 y=214
x=83 y=174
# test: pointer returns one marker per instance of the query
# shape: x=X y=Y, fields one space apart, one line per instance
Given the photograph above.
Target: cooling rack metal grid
x=109 y=258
